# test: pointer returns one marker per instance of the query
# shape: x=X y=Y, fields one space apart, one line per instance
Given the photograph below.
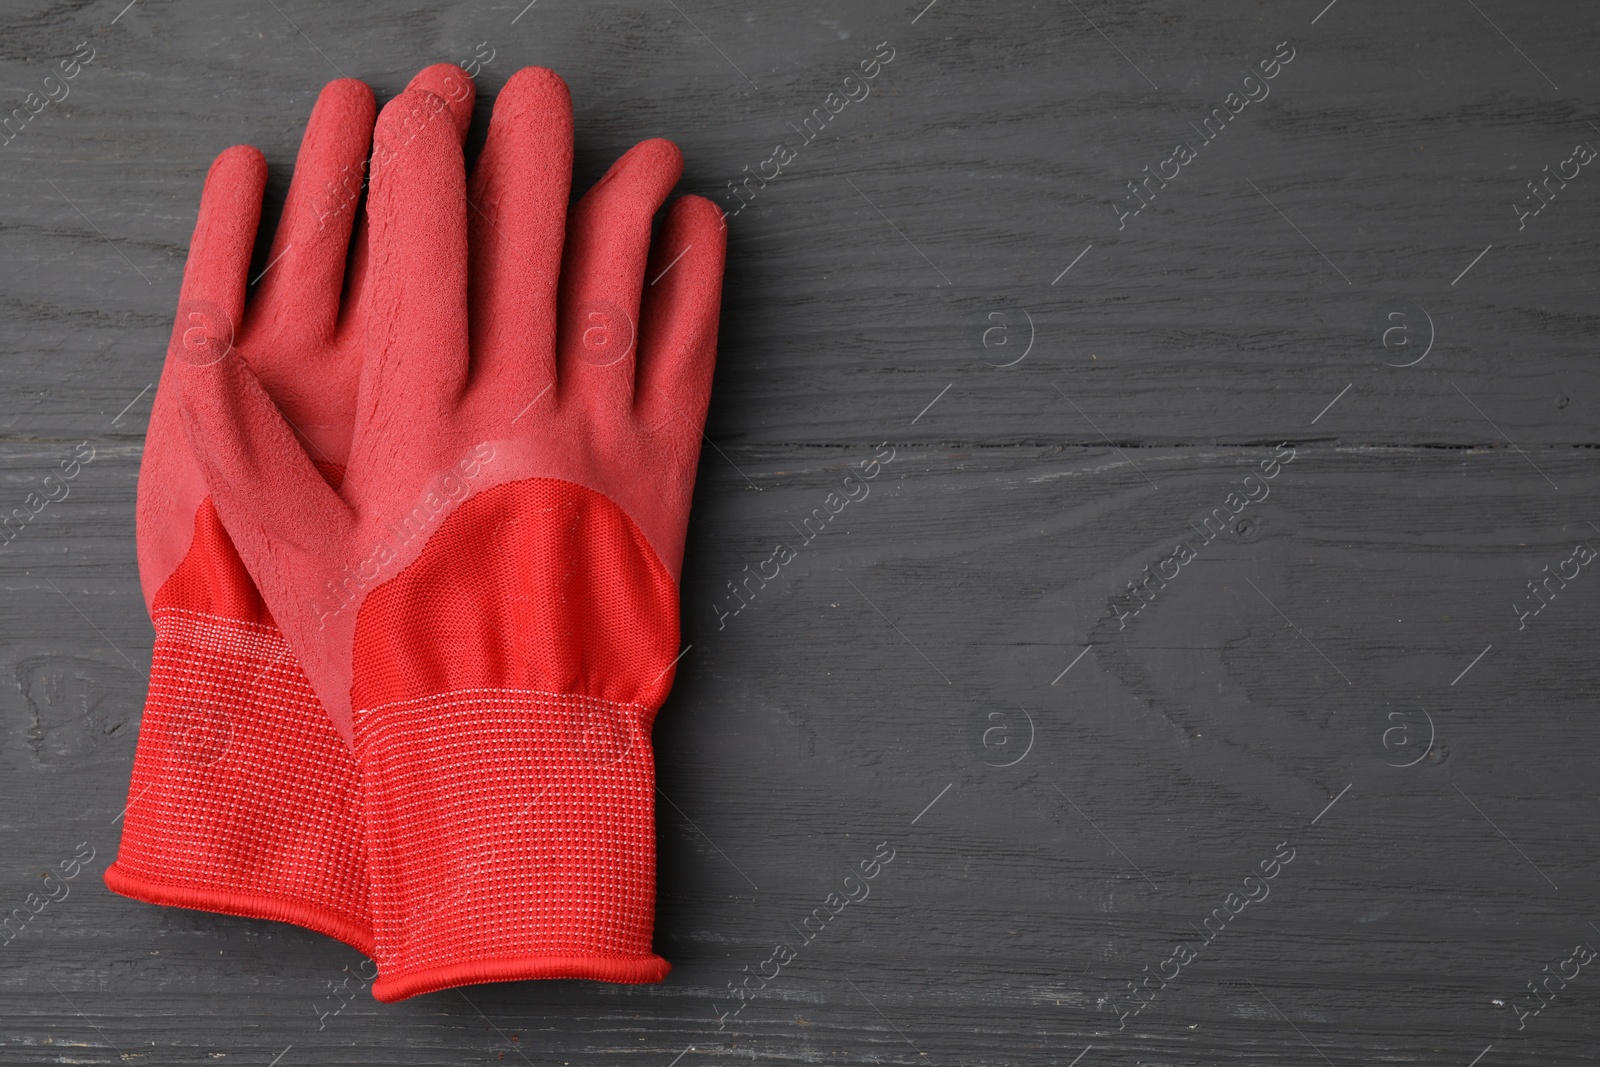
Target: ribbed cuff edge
x=632 y=970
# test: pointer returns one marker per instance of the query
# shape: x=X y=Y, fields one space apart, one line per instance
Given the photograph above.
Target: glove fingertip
x=454 y=87
x=352 y=96
x=533 y=87
x=240 y=162
x=660 y=154
x=701 y=217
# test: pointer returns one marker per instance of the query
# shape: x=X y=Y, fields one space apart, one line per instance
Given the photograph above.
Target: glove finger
x=417 y=258
x=457 y=89
x=211 y=299
x=517 y=221
x=305 y=270
x=451 y=84
x=602 y=274
x=678 y=324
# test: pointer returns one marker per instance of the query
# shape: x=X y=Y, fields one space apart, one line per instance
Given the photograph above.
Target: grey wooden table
x=1184 y=654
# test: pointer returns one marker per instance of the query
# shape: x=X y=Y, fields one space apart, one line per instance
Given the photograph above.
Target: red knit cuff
x=243 y=797
x=510 y=835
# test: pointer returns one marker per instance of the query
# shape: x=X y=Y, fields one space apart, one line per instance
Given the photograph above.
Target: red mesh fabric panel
x=504 y=687
x=243 y=798
x=536 y=584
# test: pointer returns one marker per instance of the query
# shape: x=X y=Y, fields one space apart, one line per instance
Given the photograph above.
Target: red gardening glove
x=487 y=604
x=243 y=797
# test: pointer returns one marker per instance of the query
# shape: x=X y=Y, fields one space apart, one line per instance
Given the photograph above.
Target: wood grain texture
x=953 y=666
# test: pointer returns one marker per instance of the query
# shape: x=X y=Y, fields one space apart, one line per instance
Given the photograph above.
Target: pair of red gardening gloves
x=410 y=523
